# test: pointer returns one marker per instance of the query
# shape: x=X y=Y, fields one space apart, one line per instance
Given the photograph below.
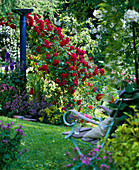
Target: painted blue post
x=23 y=43
x=23 y=13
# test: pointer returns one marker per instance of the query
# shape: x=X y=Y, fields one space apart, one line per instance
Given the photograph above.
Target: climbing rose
x=95 y=88
x=101 y=71
x=13 y=26
x=38 y=49
x=112 y=100
x=57 y=80
x=31 y=91
x=99 y=96
x=47 y=56
x=95 y=71
x=79 y=101
x=55 y=62
x=90 y=107
x=43 y=68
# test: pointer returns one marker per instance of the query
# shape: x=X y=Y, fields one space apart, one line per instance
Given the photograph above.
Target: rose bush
x=61 y=67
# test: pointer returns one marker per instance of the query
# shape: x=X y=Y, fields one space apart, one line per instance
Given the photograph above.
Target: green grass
x=45 y=144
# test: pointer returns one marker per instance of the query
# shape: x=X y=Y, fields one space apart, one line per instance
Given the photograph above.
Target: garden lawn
x=45 y=144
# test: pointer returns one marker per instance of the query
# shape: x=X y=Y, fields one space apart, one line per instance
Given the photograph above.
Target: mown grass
x=45 y=144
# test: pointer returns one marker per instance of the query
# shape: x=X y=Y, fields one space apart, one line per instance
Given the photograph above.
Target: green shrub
x=51 y=115
x=125 y=147
x=9 y=144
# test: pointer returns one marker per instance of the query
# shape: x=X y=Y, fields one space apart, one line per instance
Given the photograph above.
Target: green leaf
x=129 y=88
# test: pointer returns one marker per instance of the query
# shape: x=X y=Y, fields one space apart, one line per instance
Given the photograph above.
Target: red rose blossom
x=55 y=62
x=31 y=91
x=101 y=71
x=95 y=71
x=79 y=102
x=99 y=97
x=38 y=49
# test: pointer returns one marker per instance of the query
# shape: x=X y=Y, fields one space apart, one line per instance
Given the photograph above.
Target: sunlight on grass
x=45 y=144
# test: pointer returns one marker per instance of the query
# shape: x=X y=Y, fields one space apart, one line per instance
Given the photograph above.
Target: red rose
x=54 y=102
x=55 y=62
x=60 y=36
x=73 y=91
x=57 y=80
x=73 y=57
x=82 y=70
x=60 y=84
x=70 y=87
x=35 y=28
x=71 y=68
x=67 y=40
x=72 y=48
x=99 y=96
x=47 y=43
x=13 y=26
x=47 y=21
x=79 y=102
x=90 y=107
x=66 y=74
x=79 y=109
x=112 y=100
x=73 y=74
x=73 y=100
x=55 y=54
x=49 y=28
x=42 y=34
x=95 y=71
x=67 y=62
x=90 y=75
x=47 y=56
x=58 y=30
x=63 y=82
x=63 y=75
x=81 y=121
x=38 y=32
x=31 y=91
x=62 y=43
x=38 y=49
x=43 y=68
x=89 y=58
x=41 y=26
x=101 y=71
x=95 y=88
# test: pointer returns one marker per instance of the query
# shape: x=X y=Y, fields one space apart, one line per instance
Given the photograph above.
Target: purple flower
x=98 y=158
x=96 y=150
x=7 y=57
x=101 y=166
x=4 y=141
x=98 y=146
x=74 y=159
x=104 y=157
x=12 y=66
x=74 y=149
x=86 y=160
x=69 y=165
x=6 y=68
x=110 y=160
x=67 y=153
x=20 y=126
x=12 y=123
